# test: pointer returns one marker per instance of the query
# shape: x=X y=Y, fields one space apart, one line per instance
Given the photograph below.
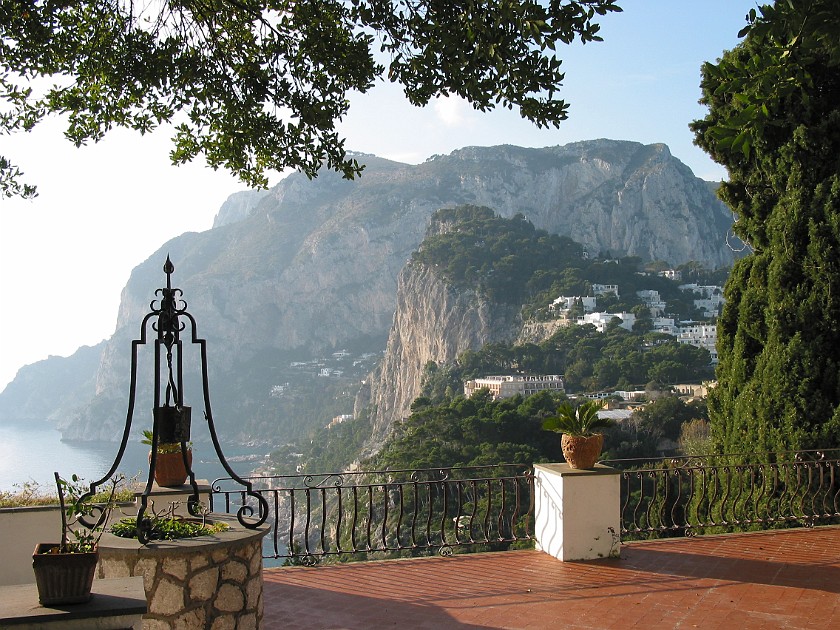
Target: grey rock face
x=238 y=206
x=433 y=322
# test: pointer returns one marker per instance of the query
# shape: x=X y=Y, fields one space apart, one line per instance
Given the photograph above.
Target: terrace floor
x=778 y=579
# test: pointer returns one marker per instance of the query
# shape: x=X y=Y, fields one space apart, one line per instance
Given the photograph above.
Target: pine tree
x=774 y=122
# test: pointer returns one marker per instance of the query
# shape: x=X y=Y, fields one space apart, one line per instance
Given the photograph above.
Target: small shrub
x=30 y=494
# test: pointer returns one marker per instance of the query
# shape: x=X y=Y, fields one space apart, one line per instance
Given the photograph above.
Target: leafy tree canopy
x=259 y=84
x=474 y=431
x=774 y=122
x=504 y=259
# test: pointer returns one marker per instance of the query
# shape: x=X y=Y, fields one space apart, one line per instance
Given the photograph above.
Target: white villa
x=665 y=325
x=671 y=274
x=566 y=302
x=710 y=300
x=653 y=301
x=605 y=289
x=508 y=386
x=701 y=336
x=600 y=320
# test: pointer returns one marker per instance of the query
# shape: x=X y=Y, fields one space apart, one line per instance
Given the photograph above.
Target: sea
x=32 y=453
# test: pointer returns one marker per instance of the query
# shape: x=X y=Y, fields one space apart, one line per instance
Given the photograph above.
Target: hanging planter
x=169 y=465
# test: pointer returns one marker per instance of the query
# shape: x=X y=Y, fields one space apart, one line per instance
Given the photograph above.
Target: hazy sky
x=103 y=209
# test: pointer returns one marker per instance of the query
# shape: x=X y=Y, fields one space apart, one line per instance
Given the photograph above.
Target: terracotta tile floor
x=786 y=579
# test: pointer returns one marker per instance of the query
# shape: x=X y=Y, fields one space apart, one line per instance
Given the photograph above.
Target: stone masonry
x=212 y=582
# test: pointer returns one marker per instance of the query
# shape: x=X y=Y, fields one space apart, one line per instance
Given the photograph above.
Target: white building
x=653 y=301
x=601 y=320
x=596 y=395
x=710 y=300
x=671 y=274
x=700 y=336
x=619 y=416
x=605 y=289
x=566 y=303
x=634 y=395
x=665 y=325
x=508 y=386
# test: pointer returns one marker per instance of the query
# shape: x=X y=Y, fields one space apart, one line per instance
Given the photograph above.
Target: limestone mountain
x=433 y=322
x=313 y=265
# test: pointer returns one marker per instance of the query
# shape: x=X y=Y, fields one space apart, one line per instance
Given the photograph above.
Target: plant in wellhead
x=166 y=525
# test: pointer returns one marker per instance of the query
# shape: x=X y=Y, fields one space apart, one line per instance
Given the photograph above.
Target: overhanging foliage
x=256 y=85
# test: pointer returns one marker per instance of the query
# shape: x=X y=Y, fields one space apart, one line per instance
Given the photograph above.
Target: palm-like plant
x=582 y=421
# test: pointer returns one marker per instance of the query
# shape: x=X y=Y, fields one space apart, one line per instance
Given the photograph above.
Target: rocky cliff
x=433 y=322
x=49 y=389
x=312 y=265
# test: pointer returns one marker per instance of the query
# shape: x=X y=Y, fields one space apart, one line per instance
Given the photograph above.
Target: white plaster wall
x=20 y=530
x=577 y=512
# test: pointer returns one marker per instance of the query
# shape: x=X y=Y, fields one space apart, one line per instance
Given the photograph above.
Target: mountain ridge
x=309 y=266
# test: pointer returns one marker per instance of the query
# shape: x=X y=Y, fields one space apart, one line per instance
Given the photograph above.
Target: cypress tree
x=774 y=122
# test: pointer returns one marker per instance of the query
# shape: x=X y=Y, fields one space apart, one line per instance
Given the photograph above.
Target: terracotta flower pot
x=63 y=578
x=582 y=452
x=170 y=470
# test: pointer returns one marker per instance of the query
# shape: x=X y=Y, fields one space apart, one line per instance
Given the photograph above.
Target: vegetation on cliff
x=505 y=260
x=474 y=431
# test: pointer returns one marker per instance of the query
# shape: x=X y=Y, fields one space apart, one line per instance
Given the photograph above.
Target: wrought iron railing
x=725 y=493
x=396 y=512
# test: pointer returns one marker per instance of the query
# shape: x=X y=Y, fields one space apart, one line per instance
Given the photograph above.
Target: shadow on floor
x=296 y=607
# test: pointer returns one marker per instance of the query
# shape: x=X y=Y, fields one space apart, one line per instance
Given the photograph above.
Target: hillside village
x=619 y=405
x=701 y=334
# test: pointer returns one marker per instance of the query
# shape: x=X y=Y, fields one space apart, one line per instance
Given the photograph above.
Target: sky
x=103 y=209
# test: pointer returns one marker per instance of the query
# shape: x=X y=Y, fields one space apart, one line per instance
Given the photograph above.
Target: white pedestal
x=577 y=512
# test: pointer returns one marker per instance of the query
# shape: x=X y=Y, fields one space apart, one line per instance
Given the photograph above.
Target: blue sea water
x=33 y=452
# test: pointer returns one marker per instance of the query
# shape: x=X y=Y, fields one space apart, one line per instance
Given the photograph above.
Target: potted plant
x=581 y=441
x=64 y=571
x=169 y=466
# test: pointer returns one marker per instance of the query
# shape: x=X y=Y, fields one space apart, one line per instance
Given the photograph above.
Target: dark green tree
x=664 y=417
x=774 y=122
x=473 y=431
x=259 y=84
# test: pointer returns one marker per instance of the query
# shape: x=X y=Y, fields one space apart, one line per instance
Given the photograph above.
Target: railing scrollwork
x=391 y=512
x=723 y=493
